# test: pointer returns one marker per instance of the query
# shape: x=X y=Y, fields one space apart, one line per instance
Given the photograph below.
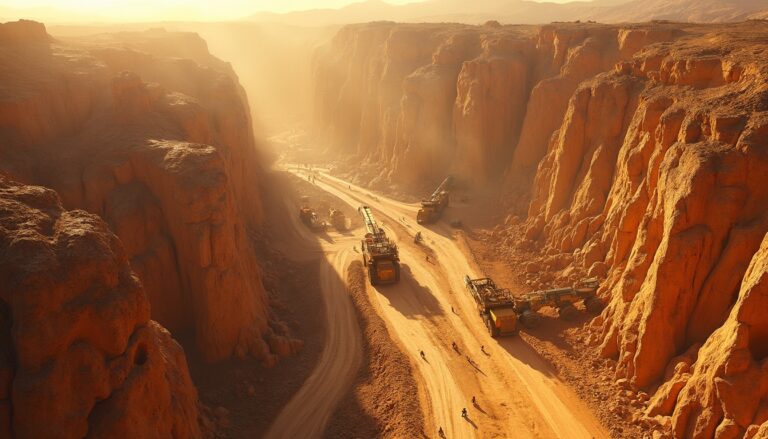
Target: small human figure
x=464 y=413
x=454 y=346
x=482 y=349
x=474 y=401
x=440 y=432
x=423 y=356
x=453 y=310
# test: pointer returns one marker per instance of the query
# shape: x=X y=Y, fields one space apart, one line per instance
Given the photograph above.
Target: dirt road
x=516 y=390
x=306 y=414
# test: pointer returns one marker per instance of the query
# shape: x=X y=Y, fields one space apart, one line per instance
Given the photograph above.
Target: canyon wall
x=79 y=354
x=153 y=134
x=416 y=101
x=640 y=151
x=655 y=180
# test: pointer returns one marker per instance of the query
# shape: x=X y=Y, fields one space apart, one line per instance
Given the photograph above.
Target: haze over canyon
x=509 y=219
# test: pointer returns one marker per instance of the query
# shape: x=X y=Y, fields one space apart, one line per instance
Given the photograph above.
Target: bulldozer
x=338 y=219
x=432 y=208
x=380 y=254
x=495 y=305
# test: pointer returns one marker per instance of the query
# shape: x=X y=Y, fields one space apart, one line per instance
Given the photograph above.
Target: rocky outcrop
x=79 y=354
x=654 y=180
x=162 y=148
x=725 y=392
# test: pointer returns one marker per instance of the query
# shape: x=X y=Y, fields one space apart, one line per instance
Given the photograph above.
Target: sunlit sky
x=155 y=10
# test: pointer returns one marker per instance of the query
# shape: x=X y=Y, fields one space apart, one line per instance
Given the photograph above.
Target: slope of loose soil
x=384 y=401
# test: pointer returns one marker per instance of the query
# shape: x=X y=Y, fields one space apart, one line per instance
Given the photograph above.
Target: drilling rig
x=432 y=207
x=380 y=254
x=502 y=312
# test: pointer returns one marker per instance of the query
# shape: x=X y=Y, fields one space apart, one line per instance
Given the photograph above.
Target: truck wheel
x=594 y=305
x=567 y=312
x=371 y=276
x=397 y=272
x=530 y=319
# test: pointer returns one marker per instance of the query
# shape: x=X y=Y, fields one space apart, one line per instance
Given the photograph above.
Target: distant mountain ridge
x=526 y=12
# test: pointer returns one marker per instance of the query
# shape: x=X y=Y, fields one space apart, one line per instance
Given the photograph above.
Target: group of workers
x=464 y=413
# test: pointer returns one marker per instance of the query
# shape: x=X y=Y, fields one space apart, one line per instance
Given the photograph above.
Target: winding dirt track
x=517 y=393
x=306 y=414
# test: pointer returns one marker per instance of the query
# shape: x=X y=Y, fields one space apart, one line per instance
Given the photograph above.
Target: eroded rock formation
x=430 y=98
x=643 y=153
x=79 y=354
x=160 y=147
x=656 y=178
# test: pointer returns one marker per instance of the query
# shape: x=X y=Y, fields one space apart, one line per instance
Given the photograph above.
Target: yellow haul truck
x=496 y=306
x=380 y=254
x=432 y=208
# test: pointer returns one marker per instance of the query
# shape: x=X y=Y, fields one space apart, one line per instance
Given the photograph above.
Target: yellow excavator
x=432 y=208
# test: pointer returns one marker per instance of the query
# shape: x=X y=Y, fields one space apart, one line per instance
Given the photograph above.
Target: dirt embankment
x=384 y=401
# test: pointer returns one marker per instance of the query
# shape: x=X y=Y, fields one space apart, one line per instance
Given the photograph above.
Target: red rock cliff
x=643 y=152
x=655 y=179
x=79 y=354
x=464 y=99
x=162 y=148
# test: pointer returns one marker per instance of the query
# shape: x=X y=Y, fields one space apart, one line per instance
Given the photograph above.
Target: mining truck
x=495 y=305
x=380 y=254
x=562 y=299
x=338 y=219
x=432 y=207
x=310 y=219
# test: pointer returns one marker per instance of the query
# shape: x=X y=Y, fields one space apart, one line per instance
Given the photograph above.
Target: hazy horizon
x=165 y=10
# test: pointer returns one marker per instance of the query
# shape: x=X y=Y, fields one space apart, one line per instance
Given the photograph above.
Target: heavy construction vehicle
x=310 y=219
x=495 y=305
x=562 y=299
x=501 y=311
x=432 y=207
x=338 y=219
x=380 y=254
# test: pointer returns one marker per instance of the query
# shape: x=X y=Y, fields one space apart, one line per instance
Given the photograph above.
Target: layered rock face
x=465 y=99
x=162 y=148
x=79 y=354
x=655 y=179
x=643 y=152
